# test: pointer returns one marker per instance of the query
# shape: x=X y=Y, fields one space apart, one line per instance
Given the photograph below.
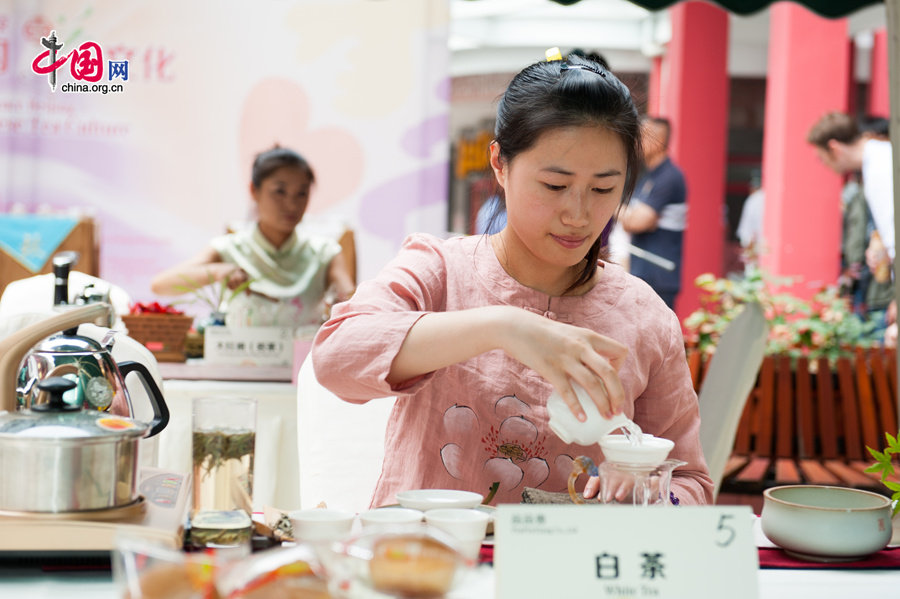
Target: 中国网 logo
x=85 y=66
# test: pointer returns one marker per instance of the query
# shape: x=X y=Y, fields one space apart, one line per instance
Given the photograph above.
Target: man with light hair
x=844 y=149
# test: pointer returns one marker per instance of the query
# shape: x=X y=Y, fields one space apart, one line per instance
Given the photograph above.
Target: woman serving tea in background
x=472 y=334
x=288 y=274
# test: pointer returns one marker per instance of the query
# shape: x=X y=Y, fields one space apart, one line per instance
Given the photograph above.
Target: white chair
x=729 y=379
x=340 y=445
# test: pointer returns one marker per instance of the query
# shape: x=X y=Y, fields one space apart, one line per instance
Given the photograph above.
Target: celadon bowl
x=826 y=524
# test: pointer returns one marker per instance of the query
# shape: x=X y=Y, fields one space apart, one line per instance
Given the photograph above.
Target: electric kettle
x=100 y=381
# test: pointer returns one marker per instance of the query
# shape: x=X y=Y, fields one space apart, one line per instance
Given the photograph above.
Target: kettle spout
x=14 y=347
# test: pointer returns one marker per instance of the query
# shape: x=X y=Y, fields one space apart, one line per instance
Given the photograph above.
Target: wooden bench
x=808 y=423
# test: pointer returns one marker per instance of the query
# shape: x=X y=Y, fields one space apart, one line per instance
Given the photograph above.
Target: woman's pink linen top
x=484 y=420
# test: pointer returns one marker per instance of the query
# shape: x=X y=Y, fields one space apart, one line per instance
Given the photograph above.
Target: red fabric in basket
x=777 y=558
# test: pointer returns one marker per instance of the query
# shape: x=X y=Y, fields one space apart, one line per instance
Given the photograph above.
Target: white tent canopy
x=501 y=36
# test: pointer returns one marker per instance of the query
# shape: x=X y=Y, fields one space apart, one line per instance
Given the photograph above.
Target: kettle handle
x=160 y=409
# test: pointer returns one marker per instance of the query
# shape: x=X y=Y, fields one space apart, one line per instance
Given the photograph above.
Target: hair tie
x=553 y=54
x=584 y=67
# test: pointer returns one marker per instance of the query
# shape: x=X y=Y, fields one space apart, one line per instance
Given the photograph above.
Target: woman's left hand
x=620 y=488
x=236 y=277
x=591 y=487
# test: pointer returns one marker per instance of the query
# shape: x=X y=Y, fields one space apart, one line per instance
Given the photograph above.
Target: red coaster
x=777 y=558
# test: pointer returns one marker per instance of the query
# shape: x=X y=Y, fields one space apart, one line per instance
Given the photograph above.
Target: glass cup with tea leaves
x=223 y=438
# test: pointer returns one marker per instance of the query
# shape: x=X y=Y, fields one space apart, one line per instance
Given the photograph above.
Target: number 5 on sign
x=727 y=537
x=612 y=552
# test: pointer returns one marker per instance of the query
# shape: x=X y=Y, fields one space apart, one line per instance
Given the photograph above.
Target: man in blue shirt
x=491 y=216
x=657 y=215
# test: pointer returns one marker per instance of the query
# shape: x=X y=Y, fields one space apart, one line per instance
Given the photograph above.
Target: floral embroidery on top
x=497 y=445
x=512 y=449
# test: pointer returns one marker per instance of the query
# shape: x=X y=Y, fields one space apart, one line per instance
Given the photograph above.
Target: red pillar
x=879 y=92
x=808 y=76
x=694 y=96
x=852 y=107
x=654 y=84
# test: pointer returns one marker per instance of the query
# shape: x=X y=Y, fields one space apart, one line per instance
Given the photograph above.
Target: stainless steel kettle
x=100 y=380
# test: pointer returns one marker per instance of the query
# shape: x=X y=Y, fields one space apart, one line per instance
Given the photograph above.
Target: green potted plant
x=824 y=325
x=884 y=466
x=212 y=294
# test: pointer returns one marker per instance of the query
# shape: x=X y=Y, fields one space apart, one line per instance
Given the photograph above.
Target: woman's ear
x=254 y=192
x=498 y=164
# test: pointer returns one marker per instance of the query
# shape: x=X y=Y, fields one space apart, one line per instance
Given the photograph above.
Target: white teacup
x=468 y=526
x=321 y=524
x=390 y=516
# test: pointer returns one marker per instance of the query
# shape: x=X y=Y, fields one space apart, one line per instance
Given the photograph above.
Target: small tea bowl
x=430 y=499
x=321 y=524
x=390 y=516
x=468 y=526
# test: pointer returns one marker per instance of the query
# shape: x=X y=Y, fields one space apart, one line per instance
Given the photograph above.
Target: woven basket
x=162 y=334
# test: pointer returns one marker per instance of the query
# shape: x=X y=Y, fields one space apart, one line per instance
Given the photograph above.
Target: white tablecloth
x=773 y=584
x=479 y=584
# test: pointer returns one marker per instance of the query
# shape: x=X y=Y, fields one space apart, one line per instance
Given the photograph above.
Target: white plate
x=429 y=499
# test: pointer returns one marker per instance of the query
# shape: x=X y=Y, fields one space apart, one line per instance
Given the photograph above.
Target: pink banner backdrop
x=161 y=159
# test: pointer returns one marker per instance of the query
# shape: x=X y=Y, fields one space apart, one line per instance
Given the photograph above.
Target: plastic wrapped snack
x=418 y=561
x=279 y=573
x=145 y=570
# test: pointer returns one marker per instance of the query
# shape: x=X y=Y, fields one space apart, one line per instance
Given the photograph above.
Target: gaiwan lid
x=57 y=420
x=570 y=430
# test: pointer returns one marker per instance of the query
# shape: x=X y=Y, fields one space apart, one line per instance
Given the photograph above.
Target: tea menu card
x=612 y=551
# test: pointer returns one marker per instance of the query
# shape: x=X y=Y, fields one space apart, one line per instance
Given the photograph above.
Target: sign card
x=625 y=552
x=248 y=346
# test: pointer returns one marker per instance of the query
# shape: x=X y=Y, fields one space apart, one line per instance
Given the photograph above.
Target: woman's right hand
x=561 y=353
x=564 y=353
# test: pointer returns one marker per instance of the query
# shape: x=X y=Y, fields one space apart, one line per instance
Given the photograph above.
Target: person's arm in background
x=655 y=196
x=339 y=277
x=201 y=270
x=639 y=218
x=854 y=239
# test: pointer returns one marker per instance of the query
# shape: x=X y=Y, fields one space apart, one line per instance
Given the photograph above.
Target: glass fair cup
x=223 y=439
x=634 y=484
x=468 y=526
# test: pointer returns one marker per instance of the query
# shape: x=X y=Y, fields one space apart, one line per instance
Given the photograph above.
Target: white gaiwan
x=652 y=451
x=570 y=430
